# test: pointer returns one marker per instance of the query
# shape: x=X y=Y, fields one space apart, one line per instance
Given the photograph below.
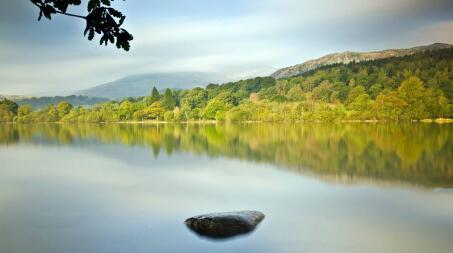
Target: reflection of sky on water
x=113 y=198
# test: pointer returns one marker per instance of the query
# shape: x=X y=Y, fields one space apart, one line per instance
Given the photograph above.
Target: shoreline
x=213 y=122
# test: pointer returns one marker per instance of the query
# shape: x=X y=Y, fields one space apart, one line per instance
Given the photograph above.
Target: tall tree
x=155 y=96
x=10 y=105
x=389 y=106
x=168 y=101
x=354 y=92
x=412 y=92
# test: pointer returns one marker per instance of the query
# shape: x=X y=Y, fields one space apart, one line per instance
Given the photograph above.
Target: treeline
x=413 y=87
x=75 y=100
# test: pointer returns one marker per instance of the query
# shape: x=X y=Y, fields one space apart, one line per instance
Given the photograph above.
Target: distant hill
x=141 y=85
x=13 y=97
x=40 y=102
x=347 y=57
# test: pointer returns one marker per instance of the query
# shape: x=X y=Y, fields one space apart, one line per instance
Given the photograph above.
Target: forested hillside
x=348 y=57
x=414 y=87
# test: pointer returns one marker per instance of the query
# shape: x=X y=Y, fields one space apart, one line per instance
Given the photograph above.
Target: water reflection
x=416 y=154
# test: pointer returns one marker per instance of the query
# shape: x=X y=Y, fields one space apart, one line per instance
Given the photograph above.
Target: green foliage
x=155 y=96
x=323 y=92
x=42 y=102
x=63 y=108
x=24 y=114
x=5 y=114
x=215 y=106
x=126 y=110
x=412 y=92
x=152 y=112
x=389 y=106
x=195 y=99
x=168 y=101
x=355 y=92
x=169 y=116
x=24 y=110
x=9 y=106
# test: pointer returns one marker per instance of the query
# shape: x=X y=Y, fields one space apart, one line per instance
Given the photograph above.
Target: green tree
x=5 y=114
x=126 y=110
x=153 y=112
x=9 y=105
x=436 y=104
x=341 y=90
x=361 y=107
x=354 y=92
x=195 y=98
x=63 y=108
x=389 y=106
x=295 y=93
x=51 y=113
x=155 y=96
x=169 y=116
x=375 y=90
x=24 y=110
x=168 y=100
x=214 y=106
x=323 y=92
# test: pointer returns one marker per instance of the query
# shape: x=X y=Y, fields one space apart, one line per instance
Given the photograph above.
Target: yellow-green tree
x=389 y=106
x=153 y=112
x=63 y=108
x=412 y=92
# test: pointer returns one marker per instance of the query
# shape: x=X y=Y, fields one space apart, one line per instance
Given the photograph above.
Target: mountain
x=141 y=85
x=347 y=57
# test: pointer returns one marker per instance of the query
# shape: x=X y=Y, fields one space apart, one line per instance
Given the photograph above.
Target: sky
x=232 y=38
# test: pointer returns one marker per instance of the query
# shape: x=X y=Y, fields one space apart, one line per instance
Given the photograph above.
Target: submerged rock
x=224 y=225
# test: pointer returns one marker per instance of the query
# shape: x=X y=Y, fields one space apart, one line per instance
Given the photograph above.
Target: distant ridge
x=41 y=102
x=14 y=97
x=347 y=57
x=141 y=85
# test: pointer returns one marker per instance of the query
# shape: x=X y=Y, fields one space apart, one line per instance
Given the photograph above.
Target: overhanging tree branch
x=59 y=12
x=101 y=19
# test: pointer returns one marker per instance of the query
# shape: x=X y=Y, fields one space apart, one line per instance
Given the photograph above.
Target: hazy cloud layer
x=231 y=37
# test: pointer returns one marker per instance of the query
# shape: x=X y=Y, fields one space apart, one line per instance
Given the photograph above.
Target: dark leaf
x=93 y=4
x=106 y=2
x=91 y=34
x=115 y=13
x=120 y=23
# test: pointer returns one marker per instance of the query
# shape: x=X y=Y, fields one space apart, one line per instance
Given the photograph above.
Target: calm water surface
x=323 y=188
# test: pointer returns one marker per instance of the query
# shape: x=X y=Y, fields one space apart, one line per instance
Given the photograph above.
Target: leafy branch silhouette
x=101 y=19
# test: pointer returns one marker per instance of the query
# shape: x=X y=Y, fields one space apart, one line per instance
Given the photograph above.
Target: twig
x=63 y=13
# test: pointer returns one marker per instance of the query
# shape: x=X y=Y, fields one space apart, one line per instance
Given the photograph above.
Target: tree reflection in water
x=417 y=154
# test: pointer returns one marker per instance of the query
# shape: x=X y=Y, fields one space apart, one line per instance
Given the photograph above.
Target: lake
x=323 y=187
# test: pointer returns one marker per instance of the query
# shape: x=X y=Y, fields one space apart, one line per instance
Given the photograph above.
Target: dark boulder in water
x=224 y=225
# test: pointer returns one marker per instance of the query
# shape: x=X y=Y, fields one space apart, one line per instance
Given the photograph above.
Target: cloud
x=234 y=38
x=424 y=33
